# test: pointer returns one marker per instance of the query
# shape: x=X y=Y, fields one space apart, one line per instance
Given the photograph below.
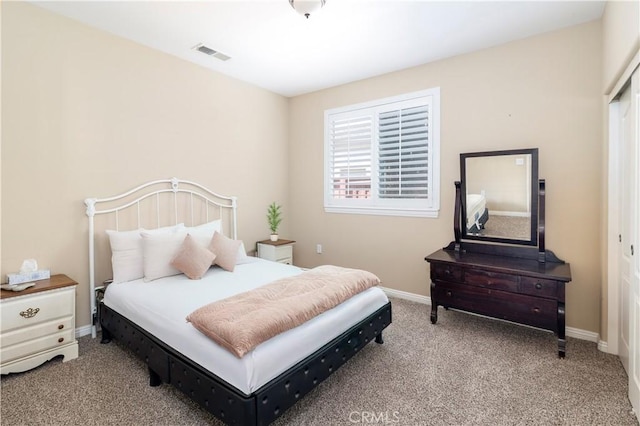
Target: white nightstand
x=38 y=324
x=277 y=251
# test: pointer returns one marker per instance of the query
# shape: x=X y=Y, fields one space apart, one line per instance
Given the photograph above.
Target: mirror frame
x=533 y=233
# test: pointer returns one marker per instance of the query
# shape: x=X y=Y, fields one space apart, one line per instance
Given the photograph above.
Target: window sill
x=379 y=211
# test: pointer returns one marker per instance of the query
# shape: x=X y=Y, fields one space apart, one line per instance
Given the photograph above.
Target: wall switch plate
x=319 y=248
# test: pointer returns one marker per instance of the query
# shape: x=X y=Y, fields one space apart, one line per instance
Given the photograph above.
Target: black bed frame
x=221 y=399
x=481 y=220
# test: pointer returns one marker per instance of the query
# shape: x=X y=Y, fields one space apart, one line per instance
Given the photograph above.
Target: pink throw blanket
x=241 y=322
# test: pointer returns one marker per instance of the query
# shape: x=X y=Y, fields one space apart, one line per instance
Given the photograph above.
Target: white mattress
x=160 y=307
x=475 y=207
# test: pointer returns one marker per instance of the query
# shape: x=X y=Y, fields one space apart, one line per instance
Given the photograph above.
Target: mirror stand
x=457 y=217
x=541 y=205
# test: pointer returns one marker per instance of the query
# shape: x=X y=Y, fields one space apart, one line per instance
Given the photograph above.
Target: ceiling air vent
x=209 y=51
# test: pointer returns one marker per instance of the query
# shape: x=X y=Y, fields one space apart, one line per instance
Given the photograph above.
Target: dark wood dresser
x=495 y=267
x=500 y=284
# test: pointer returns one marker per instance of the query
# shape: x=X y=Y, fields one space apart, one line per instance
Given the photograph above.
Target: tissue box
x=40 y=274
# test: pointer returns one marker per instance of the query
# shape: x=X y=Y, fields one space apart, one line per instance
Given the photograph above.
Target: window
x=382 y=157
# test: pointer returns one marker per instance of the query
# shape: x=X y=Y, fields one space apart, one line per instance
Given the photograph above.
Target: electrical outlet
x=319 y=248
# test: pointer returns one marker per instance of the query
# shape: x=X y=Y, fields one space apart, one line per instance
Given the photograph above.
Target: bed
x=477 y=212
x=254 y=389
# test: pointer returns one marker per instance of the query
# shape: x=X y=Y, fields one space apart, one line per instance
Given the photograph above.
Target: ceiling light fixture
x=307 y=7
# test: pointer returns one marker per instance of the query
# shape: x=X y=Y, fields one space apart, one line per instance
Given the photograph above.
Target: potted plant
x=274 y=218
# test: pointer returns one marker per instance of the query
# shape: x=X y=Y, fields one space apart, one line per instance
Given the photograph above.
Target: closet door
x=629 y=236
x=626 y=181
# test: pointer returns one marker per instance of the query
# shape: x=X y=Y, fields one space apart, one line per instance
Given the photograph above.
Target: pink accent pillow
x=192 y=259
x=226 y=251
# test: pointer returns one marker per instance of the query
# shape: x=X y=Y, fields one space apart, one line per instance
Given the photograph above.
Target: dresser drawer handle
x=60 y=340
x=539 y=286
x=536 y=310
x=448 y=293
x=29 y=313
x=61 y=326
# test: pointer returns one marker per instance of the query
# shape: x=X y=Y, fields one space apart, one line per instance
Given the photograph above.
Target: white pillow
x=202 y=234
x=242 y=255
x=158 y=250
x=126 y=252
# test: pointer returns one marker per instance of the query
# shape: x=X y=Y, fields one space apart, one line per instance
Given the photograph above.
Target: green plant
x=274 y=217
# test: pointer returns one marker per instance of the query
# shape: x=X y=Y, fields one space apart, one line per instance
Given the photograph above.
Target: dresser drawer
x=446 y=272
x=524 y=309
x=14 y=337
x=539 y=287
x=20 y=350
x=36 y=309
x=489 y=279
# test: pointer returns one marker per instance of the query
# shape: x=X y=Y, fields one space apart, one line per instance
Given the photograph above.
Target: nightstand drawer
x=38 y=308
x=31 y=347
x=282 y=253
x=28 y=333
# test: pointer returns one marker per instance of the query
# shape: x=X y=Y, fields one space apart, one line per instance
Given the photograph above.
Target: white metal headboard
x=174 y=199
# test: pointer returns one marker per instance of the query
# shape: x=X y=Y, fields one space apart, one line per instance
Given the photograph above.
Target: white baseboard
x=582 y=334
x=569 y=331
x=604 y=347
x=83 y=331
x=407 y=296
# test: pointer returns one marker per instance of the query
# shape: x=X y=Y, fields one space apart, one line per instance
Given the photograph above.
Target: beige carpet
x=465 y=370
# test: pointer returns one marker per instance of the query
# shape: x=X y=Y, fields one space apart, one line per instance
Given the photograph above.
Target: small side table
x=38 y=324
x=277 y=251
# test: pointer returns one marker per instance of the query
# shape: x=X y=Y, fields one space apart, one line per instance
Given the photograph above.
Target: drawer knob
x=29 y=313
x=448 y=293
x=60 y=340
x=61 y=326
x=539 y=286
x=536 y=310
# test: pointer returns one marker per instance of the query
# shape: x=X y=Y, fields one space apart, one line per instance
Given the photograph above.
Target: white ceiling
x=273 y=47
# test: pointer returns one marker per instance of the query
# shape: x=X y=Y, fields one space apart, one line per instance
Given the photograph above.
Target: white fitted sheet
x=160 y=307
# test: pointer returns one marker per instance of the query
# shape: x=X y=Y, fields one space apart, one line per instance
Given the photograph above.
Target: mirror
x=500 y=196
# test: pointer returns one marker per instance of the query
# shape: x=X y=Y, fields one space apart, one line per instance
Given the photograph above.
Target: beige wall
x=540 y=92
x=506 y=184
x=620 y=42
x=86 y=113
x=620 y=38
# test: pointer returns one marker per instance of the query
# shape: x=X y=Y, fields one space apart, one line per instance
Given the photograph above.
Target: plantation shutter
x=403 y=141
x=382 y=157
x=350 y=156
